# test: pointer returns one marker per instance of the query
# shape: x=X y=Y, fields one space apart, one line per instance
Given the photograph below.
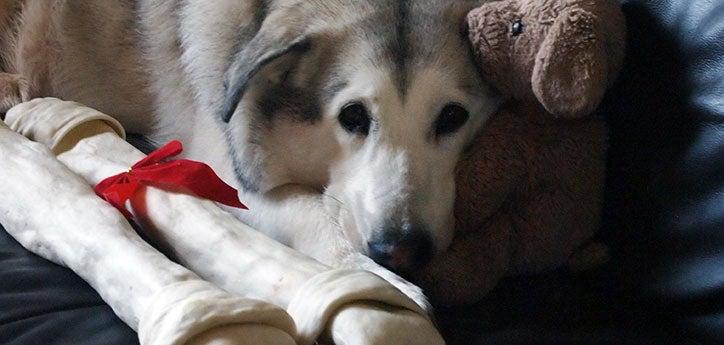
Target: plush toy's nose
x=401 y=250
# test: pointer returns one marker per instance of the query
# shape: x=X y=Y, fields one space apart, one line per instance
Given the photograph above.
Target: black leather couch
x=664 y=220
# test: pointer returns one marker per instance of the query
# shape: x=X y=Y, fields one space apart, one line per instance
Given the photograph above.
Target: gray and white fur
x=255 y=88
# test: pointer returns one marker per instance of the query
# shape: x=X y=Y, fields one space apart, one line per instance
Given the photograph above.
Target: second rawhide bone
x=215 y=245
x=52 y=212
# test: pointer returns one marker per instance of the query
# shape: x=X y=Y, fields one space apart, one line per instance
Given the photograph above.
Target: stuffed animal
x=529 y=191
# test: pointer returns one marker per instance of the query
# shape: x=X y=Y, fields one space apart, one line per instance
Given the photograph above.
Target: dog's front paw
x=14 y=89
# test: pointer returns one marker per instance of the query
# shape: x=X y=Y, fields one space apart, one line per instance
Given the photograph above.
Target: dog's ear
x=265 y=48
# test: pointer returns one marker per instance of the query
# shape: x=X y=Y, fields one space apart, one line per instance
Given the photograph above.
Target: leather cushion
x=664 y=214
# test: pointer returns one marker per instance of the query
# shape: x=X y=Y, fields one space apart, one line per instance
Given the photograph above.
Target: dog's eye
x=517 y=27
x=355 y=118
x=451 y=118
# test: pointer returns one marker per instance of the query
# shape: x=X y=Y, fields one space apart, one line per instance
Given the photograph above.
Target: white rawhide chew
x=52 y=211
x=350 y=306
x=185 y=306
x=327 y=293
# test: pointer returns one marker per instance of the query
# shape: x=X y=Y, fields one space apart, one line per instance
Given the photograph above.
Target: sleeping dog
x=340 y=121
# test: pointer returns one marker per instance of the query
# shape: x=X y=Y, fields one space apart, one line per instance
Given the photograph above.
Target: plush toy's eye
x=517 y=27
x=355 y=118
x=451 y=118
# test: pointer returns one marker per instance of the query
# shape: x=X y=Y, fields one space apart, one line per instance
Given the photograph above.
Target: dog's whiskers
x=342 y=207
x=340 y=202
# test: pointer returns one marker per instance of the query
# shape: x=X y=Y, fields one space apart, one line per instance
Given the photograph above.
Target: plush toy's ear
x=570 y=73
x=266 y=47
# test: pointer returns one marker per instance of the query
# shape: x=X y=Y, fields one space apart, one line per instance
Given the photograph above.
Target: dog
x=340 y=121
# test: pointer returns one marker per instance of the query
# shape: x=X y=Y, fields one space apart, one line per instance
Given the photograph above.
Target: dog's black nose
x=401 y=252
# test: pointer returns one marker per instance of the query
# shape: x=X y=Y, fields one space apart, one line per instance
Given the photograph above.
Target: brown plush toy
x=529 y=192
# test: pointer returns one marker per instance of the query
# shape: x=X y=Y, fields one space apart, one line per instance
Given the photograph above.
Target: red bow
x=179 y=175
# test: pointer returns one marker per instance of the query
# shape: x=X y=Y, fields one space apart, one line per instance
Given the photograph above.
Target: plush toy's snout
x=489 y=33
x=558 y=53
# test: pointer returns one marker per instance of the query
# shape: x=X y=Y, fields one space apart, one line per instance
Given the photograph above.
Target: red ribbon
x=179 y=175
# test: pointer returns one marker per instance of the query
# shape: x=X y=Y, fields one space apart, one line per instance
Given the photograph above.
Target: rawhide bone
x=53 y=212
x=349 y=306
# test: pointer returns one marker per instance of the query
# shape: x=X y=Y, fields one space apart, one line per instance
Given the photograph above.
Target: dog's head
x=371 y=102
